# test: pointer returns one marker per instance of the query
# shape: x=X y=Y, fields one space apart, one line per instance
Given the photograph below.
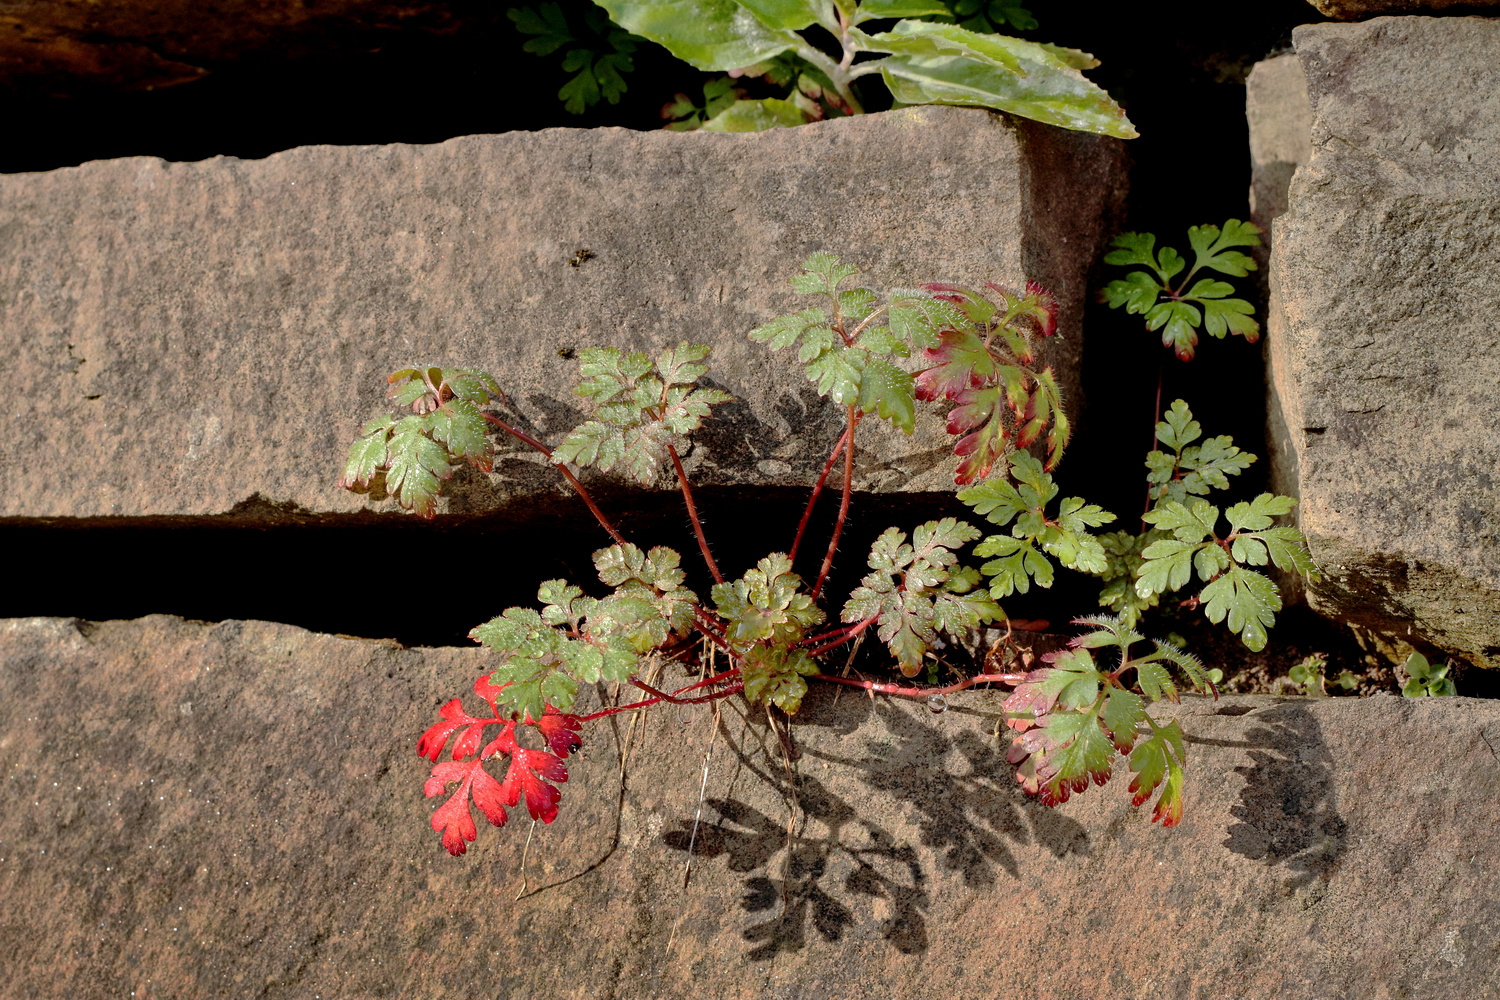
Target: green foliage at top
x=409 y=458
x=641 y=410
x=1189 y=469
x=986 y=17
x=599 y=56
x=918 y=589
x=1020 y=558
x=1076 y=715
x=1180 y=311
x=577 y=639
x=921 y=62
x=1427 y=680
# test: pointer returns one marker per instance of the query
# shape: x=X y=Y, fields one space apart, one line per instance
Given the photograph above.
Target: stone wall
x=1382 y=351
x=235 y=810
x=195 y=335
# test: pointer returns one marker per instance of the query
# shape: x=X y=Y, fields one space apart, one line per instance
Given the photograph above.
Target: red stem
x=662 y=696
x=817 y=489
x=915 y=692
x=527 y=439
x=838 y=637
x=838 y=527
x=692 y=509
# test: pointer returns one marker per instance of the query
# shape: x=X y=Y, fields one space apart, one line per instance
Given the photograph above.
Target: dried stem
x=692 y=509
x=916 y=692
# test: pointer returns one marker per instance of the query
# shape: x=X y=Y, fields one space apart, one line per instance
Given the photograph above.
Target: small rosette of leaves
x=918 y=589
x=1019 y=557
x=982 y=364
x=577 y=639
x=531 y=773
x=1074 y=717
x=765 y=616
x=1248 y=599
x=1424 y=680
x=848 y=352
x=642 y=411
x=1191 y=469
x=410 y=458
x=1180 y=311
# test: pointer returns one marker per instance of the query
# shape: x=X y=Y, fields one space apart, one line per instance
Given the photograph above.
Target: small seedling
x=1310 y=675
x=1426 y=680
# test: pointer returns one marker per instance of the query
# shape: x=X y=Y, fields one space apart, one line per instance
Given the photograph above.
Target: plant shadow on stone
x=838 y=863
x=1288 y=810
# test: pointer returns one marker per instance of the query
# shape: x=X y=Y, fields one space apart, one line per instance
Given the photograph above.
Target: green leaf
x=417 y=466
x=708 y=34
x=1181 y=321
x=756 y=116
x=876 y=9
x=548 y=24
x=1177 y=428
x=1071 y=750
x=367 y=455
x=1211 y=247
x=1168 y=566
x=458 y=424
x=1137 y=292
x=1157 y=763
x=821 y=274
x=774 y=675
x=1257 y=514
x=1123 y=711
x=784 y=331
x=793 y=14
x=889 y=392
x=1224 y=316
x=1071 y=682
x=1190 y=522
x=1135 y=248
x=1248 y=599
x=946 y=64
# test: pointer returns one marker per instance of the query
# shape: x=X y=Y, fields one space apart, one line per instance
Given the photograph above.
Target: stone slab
x=1358 y=10
x=1383 y=364
x=235 y=810
x=195 y=335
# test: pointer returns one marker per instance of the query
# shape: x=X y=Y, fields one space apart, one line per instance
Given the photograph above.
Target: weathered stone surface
x=234 y=810
x=63 y=46
x=195 y=334
x=1383 y=362
x=1355 y=10
x=1280 y=116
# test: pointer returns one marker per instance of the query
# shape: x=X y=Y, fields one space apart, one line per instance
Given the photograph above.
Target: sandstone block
x=1355 y=10
x=195 y=334
x=1383 y=363
x=235 y=810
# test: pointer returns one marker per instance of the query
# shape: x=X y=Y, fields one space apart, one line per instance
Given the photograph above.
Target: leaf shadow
x=837 y=870
x=1288 y=810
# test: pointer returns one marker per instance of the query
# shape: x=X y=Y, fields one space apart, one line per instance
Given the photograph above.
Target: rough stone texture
x=63 y=46
x=1280 y=115
x=195 y=334
x=235 y=811
x=1356 y=10
x=1383 y=362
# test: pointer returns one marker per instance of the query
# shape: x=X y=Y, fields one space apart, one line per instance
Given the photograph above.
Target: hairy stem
x=674 y=697
x=527 y=439
x=838 y=527
x=692 y=509
x=838 y=449
x=836 y=638
x=916 y=692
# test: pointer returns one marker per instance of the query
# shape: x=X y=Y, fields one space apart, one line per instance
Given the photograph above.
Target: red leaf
x=561 y=731
x=452 y=819
x=455 y=718
x=961 y=360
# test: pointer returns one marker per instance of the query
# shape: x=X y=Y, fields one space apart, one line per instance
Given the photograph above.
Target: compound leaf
x=1157 y=762
x=1248 y=599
